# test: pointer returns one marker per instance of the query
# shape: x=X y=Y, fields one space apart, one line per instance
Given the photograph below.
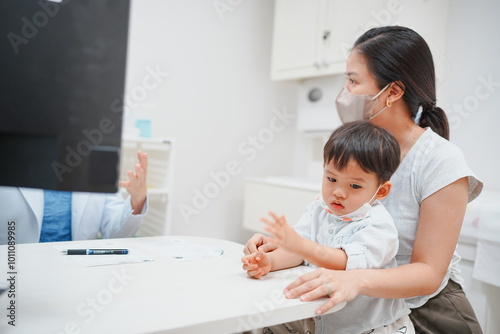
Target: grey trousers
x=447 y=312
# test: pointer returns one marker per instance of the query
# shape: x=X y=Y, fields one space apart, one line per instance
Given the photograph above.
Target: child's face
x=347 y=190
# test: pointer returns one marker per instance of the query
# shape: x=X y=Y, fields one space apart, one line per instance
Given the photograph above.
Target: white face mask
x=351 y=107
x=363 y=212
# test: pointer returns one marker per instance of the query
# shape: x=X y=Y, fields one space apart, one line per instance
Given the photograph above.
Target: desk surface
x=57 y=294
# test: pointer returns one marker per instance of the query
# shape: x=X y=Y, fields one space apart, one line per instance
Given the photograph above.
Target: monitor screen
x=62 y=82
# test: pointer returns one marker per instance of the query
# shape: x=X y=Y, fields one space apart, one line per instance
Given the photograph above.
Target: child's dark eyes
x=331 y=179
x=355 y=186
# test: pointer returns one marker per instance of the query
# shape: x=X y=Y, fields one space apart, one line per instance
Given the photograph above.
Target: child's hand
x=284 y=235
x=257 y=264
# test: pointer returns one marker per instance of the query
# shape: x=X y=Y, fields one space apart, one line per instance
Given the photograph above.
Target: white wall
x=216 y=95
x=473 y=106
x=212 y=93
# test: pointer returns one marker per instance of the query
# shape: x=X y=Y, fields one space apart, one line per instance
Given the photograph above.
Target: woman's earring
x=388 y=104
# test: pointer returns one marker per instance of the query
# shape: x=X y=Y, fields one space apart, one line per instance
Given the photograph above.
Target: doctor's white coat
x=91 y=213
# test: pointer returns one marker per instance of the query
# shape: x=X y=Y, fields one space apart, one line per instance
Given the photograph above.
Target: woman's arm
x=441 y=216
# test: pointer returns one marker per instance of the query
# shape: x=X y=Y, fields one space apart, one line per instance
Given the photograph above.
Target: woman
x=391 y=83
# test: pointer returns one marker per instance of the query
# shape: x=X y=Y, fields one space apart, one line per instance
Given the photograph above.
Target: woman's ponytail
x=435 y=118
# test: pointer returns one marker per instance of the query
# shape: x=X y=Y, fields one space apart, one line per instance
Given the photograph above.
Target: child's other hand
x=256 y=264
x=284 y=235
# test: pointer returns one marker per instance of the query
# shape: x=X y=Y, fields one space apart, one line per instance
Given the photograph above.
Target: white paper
x=180 y=250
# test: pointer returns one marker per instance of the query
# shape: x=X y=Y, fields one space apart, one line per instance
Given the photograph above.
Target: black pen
x=94 y=251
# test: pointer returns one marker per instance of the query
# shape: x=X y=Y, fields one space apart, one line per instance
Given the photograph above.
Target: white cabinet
x=159 y=180
x=297 y=39
x=280 y=195
x=474 y=289
x=479 y=247
x=313 y=37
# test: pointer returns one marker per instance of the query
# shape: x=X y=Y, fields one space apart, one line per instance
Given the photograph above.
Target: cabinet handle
x=326 y=34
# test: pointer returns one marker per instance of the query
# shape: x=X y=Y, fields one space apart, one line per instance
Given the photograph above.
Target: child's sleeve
x=304 y=226
x=372 y=246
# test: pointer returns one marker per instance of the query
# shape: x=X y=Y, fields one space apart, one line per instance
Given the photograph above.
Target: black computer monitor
x=62 y=81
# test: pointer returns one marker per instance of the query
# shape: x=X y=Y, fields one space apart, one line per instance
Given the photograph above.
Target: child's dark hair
x=373 y=148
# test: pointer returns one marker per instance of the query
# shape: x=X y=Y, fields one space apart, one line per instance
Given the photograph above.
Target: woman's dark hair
x=398 y=54
x=373 y=148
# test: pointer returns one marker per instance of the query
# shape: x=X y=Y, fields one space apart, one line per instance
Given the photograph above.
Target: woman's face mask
x=352 y=107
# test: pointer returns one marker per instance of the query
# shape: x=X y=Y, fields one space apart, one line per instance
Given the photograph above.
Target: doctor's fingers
x=140 y=173
x=132 y=178
x=143 y=159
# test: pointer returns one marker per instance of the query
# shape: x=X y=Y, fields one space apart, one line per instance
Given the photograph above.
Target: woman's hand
x=259 y=242
x=345 y=286
x=136 y=186
x=256 y=264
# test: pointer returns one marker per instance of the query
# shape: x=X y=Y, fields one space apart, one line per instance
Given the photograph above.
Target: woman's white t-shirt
x=430 y=165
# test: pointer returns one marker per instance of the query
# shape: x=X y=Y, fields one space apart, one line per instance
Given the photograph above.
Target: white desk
x=57 y=294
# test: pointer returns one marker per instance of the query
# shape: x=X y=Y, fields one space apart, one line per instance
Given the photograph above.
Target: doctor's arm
x=441 y=216
x=136 y=185
x=122 y=219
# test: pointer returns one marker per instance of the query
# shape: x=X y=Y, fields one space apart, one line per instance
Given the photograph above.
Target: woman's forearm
x=410 y=280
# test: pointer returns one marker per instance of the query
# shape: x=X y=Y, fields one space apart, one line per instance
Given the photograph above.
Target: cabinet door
x=345 y=22
x=296 y=37
x=260 y=198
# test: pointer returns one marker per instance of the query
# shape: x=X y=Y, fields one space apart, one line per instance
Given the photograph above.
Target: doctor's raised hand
x=136 y=185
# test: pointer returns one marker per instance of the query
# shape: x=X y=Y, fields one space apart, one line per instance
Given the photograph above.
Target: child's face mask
x=351 y=107
x=362 y=212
